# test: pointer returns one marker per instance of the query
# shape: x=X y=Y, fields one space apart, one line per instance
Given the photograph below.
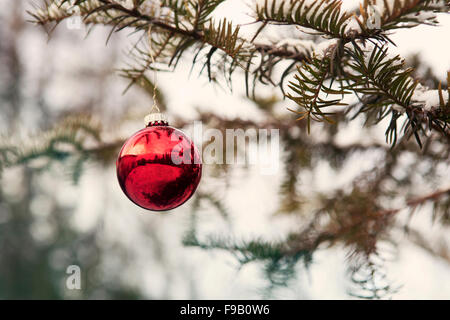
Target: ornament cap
x=156 y=119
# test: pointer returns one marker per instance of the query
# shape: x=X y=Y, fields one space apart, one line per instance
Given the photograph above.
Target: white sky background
x=251 y=198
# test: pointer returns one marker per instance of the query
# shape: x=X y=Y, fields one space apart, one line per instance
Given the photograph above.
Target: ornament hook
x=155 y=117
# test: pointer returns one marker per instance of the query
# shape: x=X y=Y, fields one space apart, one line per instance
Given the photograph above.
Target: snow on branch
x=347 y=53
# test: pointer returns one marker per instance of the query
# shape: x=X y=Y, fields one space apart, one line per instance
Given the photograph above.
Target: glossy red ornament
x=159 y=168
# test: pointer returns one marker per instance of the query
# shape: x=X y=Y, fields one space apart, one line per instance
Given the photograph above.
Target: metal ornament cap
x=156 y=119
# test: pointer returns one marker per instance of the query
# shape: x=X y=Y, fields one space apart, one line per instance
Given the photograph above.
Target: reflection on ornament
x=159 y=167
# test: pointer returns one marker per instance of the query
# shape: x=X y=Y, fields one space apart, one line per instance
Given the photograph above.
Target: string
x=155 y=74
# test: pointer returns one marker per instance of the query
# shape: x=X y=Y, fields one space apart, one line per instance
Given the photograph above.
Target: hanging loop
x=155 y=117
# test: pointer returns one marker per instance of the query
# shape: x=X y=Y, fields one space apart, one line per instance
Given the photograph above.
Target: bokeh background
x=53 y=215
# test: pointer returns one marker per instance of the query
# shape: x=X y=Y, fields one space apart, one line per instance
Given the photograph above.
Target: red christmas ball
x=159 y=168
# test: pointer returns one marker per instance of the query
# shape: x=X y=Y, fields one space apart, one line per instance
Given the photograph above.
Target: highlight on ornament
x=159 y=167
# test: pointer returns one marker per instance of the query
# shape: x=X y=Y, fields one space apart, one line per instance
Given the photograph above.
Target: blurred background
x=58 y=210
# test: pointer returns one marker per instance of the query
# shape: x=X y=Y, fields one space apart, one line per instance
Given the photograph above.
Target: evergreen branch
x=51 y=12
x=64 y=143
x=377 y=17
x=226 y=38
x=322 y=16
x=309 y=86
x=381 y=75
x=187 y=24
x=204 y=9
x=369 y=279
x=441 y=204
x=436 y=248
x=397 y=14
x=281 y=52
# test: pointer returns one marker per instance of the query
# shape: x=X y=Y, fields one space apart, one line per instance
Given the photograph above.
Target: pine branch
x=186 y=25
x=405 y=14
x=66 y=142
x=441 y=204
x=382 y=75
x=436 y=248
x=369 y=279
x=322 y=16
x=226 y=38
x=179 y=26
x=309 y=87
